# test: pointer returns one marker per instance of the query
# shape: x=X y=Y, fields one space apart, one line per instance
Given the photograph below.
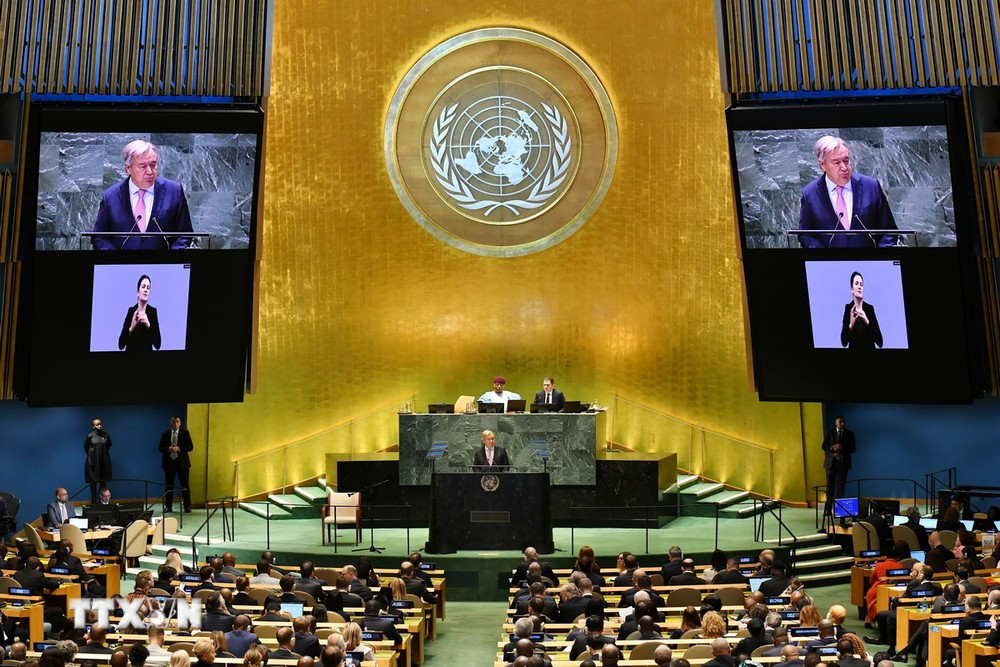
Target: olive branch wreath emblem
x=544 y=188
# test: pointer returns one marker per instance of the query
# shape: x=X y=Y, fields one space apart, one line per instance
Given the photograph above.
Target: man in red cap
x=499 y=395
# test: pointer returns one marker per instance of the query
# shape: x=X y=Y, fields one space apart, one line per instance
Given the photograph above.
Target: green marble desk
x=572 y=438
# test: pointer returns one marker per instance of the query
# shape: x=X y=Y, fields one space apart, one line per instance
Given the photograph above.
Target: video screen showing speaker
x=138 y=242
x=855 y=175
x=859 y=272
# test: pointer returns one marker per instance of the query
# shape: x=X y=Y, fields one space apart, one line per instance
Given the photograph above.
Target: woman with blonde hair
x=204 y=650
x=255 y=656
x=174 y=560
x=352 y=639
x=712 y=625
x=180 y=658
x=809 y=616
x=221 y=644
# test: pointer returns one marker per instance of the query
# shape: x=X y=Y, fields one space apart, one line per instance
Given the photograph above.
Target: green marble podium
x=571 y=438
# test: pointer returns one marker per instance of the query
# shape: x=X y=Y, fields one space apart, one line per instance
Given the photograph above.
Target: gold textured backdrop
x=359 y=307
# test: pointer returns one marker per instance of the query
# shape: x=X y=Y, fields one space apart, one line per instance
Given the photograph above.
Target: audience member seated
x=415 y=585
x=216 y=617
x=757 y=638
x=778 y=582
x=721 y=654
x=690 y=620
x=206 y=584
x=631 y=563
x=594 y=628
x=306 y=643
x=687 y=577
x=352 y=642
x=355 y=585
x=949 y=521
x=673 y=566
x=373 y=620
x=712 y=625
x=913 y=523
x=642 y=582
x=717 y=563
x=827 y=636
x=284 y=636
x=263 y=576
x=731 y=574
x=60 y=510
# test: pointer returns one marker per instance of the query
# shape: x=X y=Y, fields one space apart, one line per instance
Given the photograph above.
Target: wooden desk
x=35 y=613
x=938 y=636
x=977 y=654
x=887 y=592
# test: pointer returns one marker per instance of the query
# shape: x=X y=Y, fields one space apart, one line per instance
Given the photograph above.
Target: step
x=185 y=549
x=759 y=508
x=295 y=505
x=824 y=549
x=682 y=482
x=824 y=578
x=701 y=490
x=315 y=495
x=834 y=563
x=787 y=539
x=260 y=509
x=725 y=498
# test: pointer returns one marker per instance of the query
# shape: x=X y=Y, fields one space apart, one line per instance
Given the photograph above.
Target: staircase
x=817 y=561
x=305 y=503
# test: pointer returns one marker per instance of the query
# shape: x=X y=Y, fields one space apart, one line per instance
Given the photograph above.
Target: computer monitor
x=755 y=582
x=845 y=508
x=572 y=406
x=489 y=408
x=100 y=515
x=967 y=523
x=918 y=556
x=543 y=407
x=930 y=523
x=441 y=408
x=80 y=522
x=126 y=513
x=516 y=405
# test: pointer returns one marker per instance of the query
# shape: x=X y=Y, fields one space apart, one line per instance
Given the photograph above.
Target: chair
x=267 y=631
x=981 y=583
x=261 y=594
x=908 y=562
x=645 y=650
x=307 y=598
x=759 y=651
x=656 y=579
x=906 y=534
x=341 y=508
x=693 y=633
x=6 y=583
x=159 y=530
x=134 y=541
x=989 y=562
x=201 y=595
x=12 y=502
x=186 y=646
x=951 y=564
x=632 y=636
x=32 y=535
x=70 y=532
x=684 y=597
x=158 y=593
x=334 y=617
x=743 y=633
x=731 y=596
x=169 y=524
x=329 y=575
x=948 y=538
x=864 y=537
x=698 y=651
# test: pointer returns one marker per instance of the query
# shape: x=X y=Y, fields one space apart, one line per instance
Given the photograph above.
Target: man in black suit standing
x=491 y=457
x=838 y=445
x=175 y=445
x=550 y=396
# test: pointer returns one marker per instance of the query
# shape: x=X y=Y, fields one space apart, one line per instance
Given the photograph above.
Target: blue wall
x=42 y=448
x=912 y=440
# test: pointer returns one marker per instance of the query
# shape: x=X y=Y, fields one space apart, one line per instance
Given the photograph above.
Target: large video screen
x=852 y=217
x=139 y=223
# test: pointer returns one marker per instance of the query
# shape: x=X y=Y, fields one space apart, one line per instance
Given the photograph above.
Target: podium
x=498 y=510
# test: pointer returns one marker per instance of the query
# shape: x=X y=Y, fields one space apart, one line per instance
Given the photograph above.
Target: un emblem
x=506 y=158
x=490 y=483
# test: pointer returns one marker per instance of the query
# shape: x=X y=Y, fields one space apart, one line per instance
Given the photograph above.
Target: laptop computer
x=516 y=405
x=293 y=608
x=489 y=408
x=79 y=522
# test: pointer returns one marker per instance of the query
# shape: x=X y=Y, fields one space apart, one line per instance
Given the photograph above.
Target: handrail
x=209 y=514
x=697 y=464
x=857 y=484
x=768 y=505
x=296 y=464
x=390 y=406
x=932 y=481
x=597 y=508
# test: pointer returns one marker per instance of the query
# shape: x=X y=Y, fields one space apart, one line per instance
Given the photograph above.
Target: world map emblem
x=500 y=142
x=501 y=153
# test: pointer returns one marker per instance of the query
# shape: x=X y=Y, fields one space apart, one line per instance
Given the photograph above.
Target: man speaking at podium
x=142 y=203
x=841 y=199
x=491 y=457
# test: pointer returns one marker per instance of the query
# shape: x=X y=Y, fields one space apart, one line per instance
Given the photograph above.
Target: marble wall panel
x=571 y=439
x=216 y=170
x=911 y=163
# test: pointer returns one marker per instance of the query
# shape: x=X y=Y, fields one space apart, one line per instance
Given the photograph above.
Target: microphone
x=165 y=241
x=840 y=221
x=131 y=229
x=872 y=238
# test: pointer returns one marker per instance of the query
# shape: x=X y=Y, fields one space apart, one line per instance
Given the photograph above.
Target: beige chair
x=308 y=598
x=158 y=593
x=989 y=562
x=6 y=583
x=134 y=541
x=33 y=537
x=908 y=562
x=341 y=509
x=329 y=575
x=169 y=524
x=731 y=596
x=632 y=636
x=266 y=631
x=743 y=633
x=656 y=579
x=948 y=538
x=906 y=534
x=158 y=532
x=698 y=651
x=260 y=594
x=70 y=532
x=201 y=595
x=334 y=617
x=951 y=564
x=644 y=651
x=759 y=651
x=185 y=646
x=981 y=583
x=864 y=537
x=684 y=597
x=693 y=633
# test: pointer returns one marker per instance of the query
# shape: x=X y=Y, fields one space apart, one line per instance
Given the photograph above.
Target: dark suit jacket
x=313 y=587
x=280 y=654
x=671 y=569
x=52 y=513
x=98 y=649
x=848 y=447
x=35 y=581
x=548 y=609
x=730 y=577
x=185 y=444
x=239 y=641
x=521 y=572
x=382 y=624
x=721 y=661
x=558 y=399
x=417 y=587
x=870 y=205
x=500 y=460
x=307 y=644
x=970 y=622
x=571 y=608
x=169 y=214
x=774 y=586
x=361 y=590
x=863 y=336
x=686 y=579
x=142 y=338
x=217 y=620
x=628 y=599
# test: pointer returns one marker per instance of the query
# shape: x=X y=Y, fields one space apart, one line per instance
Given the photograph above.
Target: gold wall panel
x=359 y=305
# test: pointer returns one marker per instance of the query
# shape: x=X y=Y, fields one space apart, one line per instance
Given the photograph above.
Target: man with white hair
x=843 y=200
x=143 y=203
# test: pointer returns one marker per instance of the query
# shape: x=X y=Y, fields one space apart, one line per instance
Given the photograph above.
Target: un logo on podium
x=500 y=142
x=489 y=483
